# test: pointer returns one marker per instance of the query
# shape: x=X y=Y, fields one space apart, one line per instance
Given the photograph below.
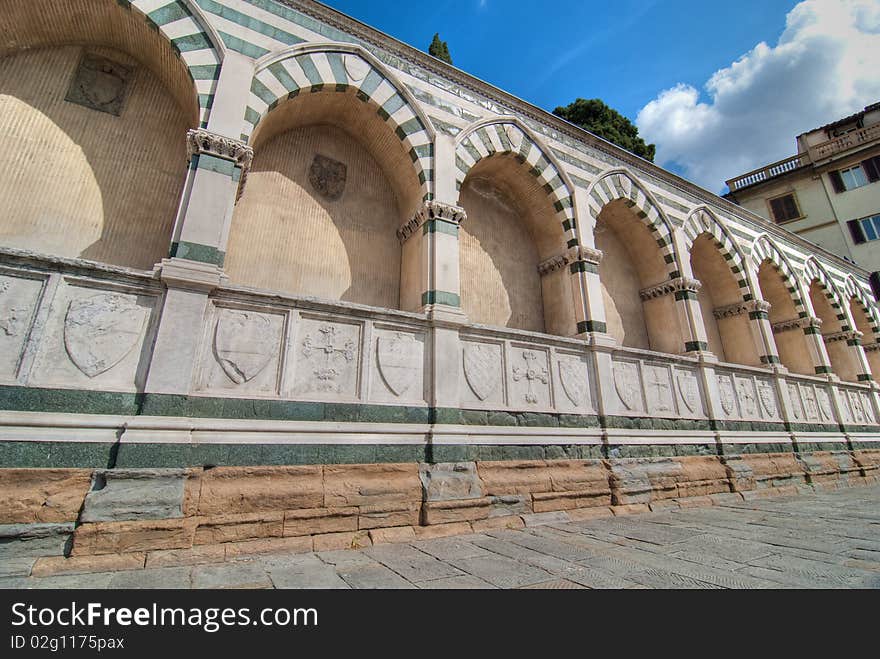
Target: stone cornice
x=848 y=335
x=669 y=287
x=513 y=103
x=572 y=255
x=796 y=323
x=738 y=308
x=431 y=210
x=871 y=347
x=199 y=141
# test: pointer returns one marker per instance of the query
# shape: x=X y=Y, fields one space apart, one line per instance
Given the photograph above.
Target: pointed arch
x=509 y=135
x=854 y=291
x=702 y=220
x=193 y=38
x=815 y=271
x=344 y=68
x=621 y=184
x=765 y=249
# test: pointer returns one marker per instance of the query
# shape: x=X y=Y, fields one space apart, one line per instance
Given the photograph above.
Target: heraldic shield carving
x=244 y=343
x=626 y=381
x=101 y=330
x=328 y=177
x=399 y=361
x=689 y=389
x=481 y=369
x=573 y=376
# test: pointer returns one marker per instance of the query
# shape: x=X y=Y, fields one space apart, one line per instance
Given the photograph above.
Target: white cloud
x=824 y=67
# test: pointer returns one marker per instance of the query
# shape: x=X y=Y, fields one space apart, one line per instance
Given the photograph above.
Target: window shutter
x=855 y=228
x=836 y=181
x=872 y=168
x=777 y=207
x=875 y=284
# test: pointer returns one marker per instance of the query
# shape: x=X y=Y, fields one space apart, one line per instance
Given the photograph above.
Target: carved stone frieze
x=847 y=335
x=767 y=396
x=825 y=408
x=328 y=358
x=431 y=210
x=727 y=394
x=482 y=368
x=534 y=374
x=689 y=390
x=572 y=255
x=796 y=323
x=747 y=398
x=574 y=380
x=658 y=390
x=739 y=308
x=399 y=360
x=669 y=287
x=627 y=384
x=244 y=343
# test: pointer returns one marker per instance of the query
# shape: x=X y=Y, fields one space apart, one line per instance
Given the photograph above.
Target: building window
x=865 y=229
x=785 y=208
x=854 y=177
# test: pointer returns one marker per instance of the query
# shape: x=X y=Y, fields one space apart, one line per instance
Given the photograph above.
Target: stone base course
x=215 y=515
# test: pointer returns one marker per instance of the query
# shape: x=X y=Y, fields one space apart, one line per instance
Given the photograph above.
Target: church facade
x=270 y=276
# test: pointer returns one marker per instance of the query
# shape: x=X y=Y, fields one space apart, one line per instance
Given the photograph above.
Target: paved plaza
x=824 y=540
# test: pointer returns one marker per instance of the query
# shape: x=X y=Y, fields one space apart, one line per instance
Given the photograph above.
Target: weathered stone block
x=42 y=495
x=586 y=514
x=497 y=523
x=450 y=481
x=388 y=514
x=642 y=480
x=510 y=504
x=194 y=556
x=130 y=494
x=542 y=519
x=768 y=470
x=548 y=501
x=868 y=461
x=53 y=565
x=701 y=476
x=236 y=528
x=630 y=509
x=226 y=490
x=314 y=521
x=579 y=476
x=465 y=510
x=349 y=540
x=370 y=485
x=192 y=488
x=829 y=468
x=515 y=477
x=298 y=545
x=441 y=530
x=695 y=502
x=26 y=540
x=395 y=534
x=125 y=537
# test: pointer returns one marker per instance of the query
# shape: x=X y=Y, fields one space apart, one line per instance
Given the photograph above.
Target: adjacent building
x=829 y=192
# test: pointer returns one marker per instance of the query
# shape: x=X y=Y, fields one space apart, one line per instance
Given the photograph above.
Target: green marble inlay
x=42 y=455
x=214 y=164
x=196 y=252
x=441 y=297
x=440 y=226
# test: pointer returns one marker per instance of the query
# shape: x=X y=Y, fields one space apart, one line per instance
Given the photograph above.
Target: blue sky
x=689 y=72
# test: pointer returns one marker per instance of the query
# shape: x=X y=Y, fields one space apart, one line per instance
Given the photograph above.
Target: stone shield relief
x=18 y=301
x=626 y=382
x=399 y=358
x=244 y=343
x=328 y=177
x=727 y=394
x=689 y=390
x=768 y=398
x=100 y=331
x=574 y=380
x=482 y=368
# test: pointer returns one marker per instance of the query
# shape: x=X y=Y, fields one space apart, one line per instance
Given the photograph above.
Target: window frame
x=791 y=193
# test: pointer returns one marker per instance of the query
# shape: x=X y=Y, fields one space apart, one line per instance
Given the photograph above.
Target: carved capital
x=553 y=264
x=669 y=287
x=576 y=254
x=871 y=347
x=200 y=141
x=847 y=335
x=431 y=210
x=738 y=308
x=581 y=253
x=796 y=323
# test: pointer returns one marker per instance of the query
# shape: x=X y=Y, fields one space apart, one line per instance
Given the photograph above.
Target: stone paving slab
x=822 y=540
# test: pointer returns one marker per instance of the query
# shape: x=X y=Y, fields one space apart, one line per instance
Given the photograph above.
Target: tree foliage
x=596 y=117
x=440 y=49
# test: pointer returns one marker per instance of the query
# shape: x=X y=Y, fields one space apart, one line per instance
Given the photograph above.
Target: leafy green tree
x=596 y=117
x=439 y=49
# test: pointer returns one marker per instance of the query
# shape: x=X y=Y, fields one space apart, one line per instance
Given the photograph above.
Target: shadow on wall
x=84 y=182
x=500 y=281
x=319 y=218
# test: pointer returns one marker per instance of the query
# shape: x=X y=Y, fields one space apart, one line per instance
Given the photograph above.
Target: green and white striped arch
x=507 y=136
x=181 y=23
x=343 y=68
x=619 y=184
x=814 y=271
x=764 y=249
x=854 y=291
x=701 y=221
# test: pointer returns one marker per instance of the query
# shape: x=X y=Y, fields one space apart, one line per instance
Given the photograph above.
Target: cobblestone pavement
x=826 y=540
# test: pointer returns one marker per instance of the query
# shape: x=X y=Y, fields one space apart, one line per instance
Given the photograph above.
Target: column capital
x=675 y=286
x=739 y=308
x=849 y=336
x=199 y=141
x=431 y=210
x=807 y=323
